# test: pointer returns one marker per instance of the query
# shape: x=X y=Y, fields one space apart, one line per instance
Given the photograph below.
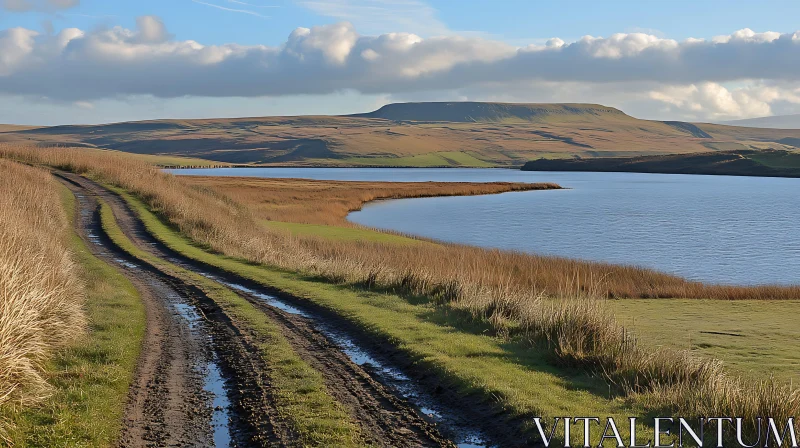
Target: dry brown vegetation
x=553 y=303
x=587 y=131
x=41 y=295
x=329 y=202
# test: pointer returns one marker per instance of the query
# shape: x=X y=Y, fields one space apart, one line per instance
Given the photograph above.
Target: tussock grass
x=329 y=202
x=554 y=303
x=41 y=295
x=92 y=377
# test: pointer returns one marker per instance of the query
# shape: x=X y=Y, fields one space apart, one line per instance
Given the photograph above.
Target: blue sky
x=249 y=23
x=514 y=21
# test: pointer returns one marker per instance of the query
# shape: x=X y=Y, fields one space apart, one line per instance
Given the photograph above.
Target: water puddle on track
x=213 y=381
x=464 y=434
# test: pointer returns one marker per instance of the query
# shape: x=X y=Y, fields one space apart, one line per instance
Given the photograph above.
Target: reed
x=41 y=295
x=555 y=303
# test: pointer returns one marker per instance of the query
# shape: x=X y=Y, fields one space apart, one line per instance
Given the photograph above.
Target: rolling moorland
x=765 y=163
x=415 y=134
x=500 y=336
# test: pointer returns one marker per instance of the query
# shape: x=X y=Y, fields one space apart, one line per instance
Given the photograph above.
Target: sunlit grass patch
x=338 y=233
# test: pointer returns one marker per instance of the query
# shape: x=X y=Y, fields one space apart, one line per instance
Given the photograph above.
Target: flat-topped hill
x=469 y=112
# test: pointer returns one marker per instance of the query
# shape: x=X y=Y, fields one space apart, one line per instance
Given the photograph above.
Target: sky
x=93 y=61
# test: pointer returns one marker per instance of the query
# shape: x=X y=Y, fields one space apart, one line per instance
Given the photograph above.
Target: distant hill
x=416 y=134
x=470 y=112
x=765 y=163
x=15 y=127
x=774 y=122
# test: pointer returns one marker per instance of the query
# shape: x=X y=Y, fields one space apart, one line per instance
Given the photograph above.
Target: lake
x=723 y=229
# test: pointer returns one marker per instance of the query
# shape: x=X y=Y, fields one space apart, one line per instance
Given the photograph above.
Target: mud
x=394 y=404
x=198 y=382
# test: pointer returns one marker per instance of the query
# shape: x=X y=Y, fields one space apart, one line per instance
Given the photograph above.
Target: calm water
x=741 y=230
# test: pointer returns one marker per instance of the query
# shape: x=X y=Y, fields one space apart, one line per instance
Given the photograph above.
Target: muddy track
x=198 y=381
x=385 y=418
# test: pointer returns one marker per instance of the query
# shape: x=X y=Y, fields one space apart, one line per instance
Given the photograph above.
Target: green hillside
x=448 y=134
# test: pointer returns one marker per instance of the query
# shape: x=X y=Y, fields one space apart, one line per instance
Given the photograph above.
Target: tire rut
x=199 y=380
x=385 y=418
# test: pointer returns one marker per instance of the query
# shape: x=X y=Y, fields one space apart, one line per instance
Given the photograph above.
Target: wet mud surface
x=224 y=392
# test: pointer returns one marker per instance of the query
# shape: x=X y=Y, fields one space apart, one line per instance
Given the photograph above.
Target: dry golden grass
x=330 y=140
x=554 y=303
x=40 y=294
x=329 y=202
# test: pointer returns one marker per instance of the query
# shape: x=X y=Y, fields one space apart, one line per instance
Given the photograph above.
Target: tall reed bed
x=41 y=295
x=554 y=303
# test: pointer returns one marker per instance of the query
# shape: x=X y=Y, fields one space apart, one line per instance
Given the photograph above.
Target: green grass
x=91 y=379
x=338 y=233
x=779 y=160
x=445 y=158
x=302 y=397
x=753 y=338
x=513 y=376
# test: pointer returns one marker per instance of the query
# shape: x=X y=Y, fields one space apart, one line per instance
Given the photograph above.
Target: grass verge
x=337 y=233
x=90 y=379
x=300 y=390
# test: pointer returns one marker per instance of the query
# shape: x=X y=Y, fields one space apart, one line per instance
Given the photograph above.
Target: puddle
x=127 y=264
x=464 y=434
x=213 y=381
x=221 y=406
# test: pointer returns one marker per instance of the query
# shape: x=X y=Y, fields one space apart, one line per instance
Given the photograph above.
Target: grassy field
x=339 y=233
x=436 y=159
x=89 y=379
x=753 y=338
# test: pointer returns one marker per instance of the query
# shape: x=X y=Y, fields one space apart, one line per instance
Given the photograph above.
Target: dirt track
x=169 y=406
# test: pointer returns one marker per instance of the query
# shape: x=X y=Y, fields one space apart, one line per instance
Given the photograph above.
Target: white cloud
x=37 y=5
x=152 y=30
x=692 y=77
x=713 y=101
